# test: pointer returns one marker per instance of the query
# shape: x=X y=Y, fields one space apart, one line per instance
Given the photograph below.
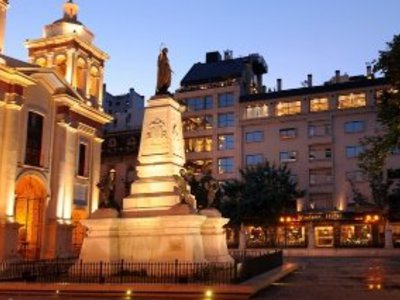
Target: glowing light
x=282 y=219
x=378 y=286
x=368 y=218
x=57 y=292
x=208 y=293
x=376 y=218
x=128 y=292
x=371 y=286
x=288 y=219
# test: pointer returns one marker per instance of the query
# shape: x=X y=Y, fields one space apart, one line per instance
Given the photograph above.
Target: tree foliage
x=377 y=148
x=261 y=195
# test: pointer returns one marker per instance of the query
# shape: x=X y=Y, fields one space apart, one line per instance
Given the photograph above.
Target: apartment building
x=315 y=130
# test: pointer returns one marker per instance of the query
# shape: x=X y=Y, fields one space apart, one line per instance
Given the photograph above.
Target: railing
x=119 y=272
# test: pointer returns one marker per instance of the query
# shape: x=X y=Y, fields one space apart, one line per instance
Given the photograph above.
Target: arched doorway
x=29 y=208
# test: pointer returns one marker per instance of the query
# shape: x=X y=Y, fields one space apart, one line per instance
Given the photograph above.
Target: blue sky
x=296 y=37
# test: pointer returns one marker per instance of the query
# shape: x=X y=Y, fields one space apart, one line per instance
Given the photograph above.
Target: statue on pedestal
x=184 y=189
x=163 y=73
x=107 y=191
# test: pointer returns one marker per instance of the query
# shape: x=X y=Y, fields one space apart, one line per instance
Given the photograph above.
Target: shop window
x=288 y=108
x=396 y=235
x=33 y=147
x=352 y=101
x=356 y=235
x=256 y=237
x=324 y=236
x=254 y=136
x=226 y=142
x=254 y=159
x=291 y=236
x=319 y=104
x=354 y=126
x=225 y=165
x=226 y=100
x=287 y=133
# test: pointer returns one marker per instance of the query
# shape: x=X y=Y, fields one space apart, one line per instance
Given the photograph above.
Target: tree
x=377 y=148
x=261 y=195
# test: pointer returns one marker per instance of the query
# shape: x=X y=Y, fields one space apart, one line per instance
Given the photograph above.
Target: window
x=354 y=151
x=319 y=152
x=226 y=100
x=226 y=120
x=395 y=150
x=288 y=108
x=319 y=104
x=225 y=165
x=254 y=136
x=82 y=159
x=319 y=129
x=195 y=104
x=256 y=111
x=198 y=123
x=254 y=159
x=287 y=133
x=202 y=144
x=33 y=148
x=288 y=156
x=321 y=201
x=352 y=101
x=226 y=142
x=320 y=176
x=354 y=126
x=199 y=166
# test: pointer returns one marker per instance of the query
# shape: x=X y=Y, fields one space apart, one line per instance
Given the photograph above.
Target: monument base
x=190 y=238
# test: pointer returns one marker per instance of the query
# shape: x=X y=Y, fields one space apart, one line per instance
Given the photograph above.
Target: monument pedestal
x=9 y=240
x=155 y=225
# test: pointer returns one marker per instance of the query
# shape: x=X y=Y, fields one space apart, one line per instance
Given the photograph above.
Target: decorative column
x=70 y=74
x=95 y=178
x=100 y=87
x=11 y=133
x=50 y=60
x=88 y=78
x=59 y=230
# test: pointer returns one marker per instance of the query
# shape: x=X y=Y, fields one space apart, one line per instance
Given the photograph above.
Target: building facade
x=315 y=130
x=50 y=140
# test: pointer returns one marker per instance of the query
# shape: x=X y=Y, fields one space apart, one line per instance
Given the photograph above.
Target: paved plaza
x=339 y=278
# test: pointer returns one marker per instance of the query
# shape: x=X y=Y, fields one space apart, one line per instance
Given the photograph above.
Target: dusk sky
x=296 y=37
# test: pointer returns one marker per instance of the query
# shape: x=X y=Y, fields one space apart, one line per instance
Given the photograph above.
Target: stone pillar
x=88 y=81
x=50 y=60
x=95 y=173
x=70 y=74
x=311 y=237
x=388 y=236
x=9 y=159
x=100 y=87
x=242 y=238
x=3 y=16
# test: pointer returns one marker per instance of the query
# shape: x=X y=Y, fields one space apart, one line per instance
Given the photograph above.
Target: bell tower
x=3 y=16
x=67 y=46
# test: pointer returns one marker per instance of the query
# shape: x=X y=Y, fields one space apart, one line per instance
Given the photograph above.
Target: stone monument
x=159 y=220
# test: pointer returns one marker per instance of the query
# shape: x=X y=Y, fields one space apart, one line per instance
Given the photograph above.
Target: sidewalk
x=230 y=291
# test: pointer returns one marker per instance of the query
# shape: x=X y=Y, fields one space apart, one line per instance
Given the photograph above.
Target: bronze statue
x=107 y=191
x=163 y=73
x=184 y=189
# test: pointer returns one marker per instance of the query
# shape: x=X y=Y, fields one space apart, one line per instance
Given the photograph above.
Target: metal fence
x=176 y=272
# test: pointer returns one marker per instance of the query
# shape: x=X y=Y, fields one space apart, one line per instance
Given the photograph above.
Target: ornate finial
x=70 y=10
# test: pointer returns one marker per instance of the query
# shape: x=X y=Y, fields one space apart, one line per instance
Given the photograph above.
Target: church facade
x=51 y=119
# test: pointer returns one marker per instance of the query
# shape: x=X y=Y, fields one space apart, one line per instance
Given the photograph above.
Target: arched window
x=33 y=146
x=41 y=61
x=60 y=64
x=80 y=74
x=94 y=81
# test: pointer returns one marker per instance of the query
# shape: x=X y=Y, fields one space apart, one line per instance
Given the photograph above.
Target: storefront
x=318 y=229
